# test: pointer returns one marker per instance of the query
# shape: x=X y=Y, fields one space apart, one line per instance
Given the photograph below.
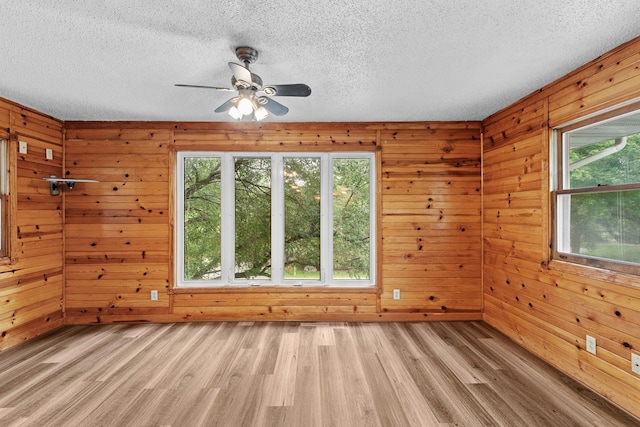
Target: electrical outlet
x=22 y=147
x=396 y=294
x=154 y=295
x=635 y=363
x=49 y=154
x=591 y=344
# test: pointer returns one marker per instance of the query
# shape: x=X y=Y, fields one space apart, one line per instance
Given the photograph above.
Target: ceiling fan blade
x=240 y=73
x=226 y=106
x=272 y=106
x=226 y=89
x=298 y=89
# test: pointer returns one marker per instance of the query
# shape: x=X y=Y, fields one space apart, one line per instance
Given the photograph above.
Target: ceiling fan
x=253 y=102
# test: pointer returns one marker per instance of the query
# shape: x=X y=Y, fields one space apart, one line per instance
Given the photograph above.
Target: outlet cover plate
x=591 y=344
x=154 y=295
x=635 y=363
x=396 y=294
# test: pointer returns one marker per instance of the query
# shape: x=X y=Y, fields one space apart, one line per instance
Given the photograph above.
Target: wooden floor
x=289 y=374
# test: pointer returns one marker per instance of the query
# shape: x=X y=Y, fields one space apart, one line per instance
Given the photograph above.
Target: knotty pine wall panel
x=118 y=232
x=31 y=288
x=549 y=307
x=431 y=218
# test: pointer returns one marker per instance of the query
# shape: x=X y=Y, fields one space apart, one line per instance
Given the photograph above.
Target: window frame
x=277 y=278
x=8 y=228
x=559 y=163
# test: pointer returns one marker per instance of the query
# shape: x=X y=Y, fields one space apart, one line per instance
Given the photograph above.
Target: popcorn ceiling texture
x=365 y=60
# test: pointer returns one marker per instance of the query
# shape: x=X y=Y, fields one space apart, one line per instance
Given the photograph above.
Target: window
x=597 y=197
x=4 y=200
x=296 y=219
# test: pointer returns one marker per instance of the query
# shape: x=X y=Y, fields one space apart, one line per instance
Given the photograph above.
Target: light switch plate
x=591 y=344
x=49 y=154
x=22 y=147
x=635 y=363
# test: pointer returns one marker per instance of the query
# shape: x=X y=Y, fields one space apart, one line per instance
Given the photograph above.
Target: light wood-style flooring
x=289 y=374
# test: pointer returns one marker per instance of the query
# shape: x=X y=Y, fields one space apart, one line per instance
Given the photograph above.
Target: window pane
x=607 y=153
x=2 y=231
x=302 y=218
x=253 y=218
x=4 y=205
x=202 y=218
x=602 y=225
x=351 y=219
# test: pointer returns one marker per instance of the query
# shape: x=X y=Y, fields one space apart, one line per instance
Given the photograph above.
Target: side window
x=5 y=203
x=597 y=197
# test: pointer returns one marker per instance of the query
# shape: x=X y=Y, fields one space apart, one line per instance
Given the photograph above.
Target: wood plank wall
x=31 y=289
x=550 y=307
x=119 y=232
x=431 y=206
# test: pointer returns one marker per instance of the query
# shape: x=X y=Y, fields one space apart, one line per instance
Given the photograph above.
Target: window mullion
x=277 y=219
x=228 y=219
x=326 y=220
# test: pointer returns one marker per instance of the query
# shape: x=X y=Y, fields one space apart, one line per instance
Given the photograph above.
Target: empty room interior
x=338 y=213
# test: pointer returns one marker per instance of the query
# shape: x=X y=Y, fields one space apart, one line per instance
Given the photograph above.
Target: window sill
x=602 y=274
x=272 y=289
x=7 y=260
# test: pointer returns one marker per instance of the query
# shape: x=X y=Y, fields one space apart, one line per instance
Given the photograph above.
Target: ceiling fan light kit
x=253 y=102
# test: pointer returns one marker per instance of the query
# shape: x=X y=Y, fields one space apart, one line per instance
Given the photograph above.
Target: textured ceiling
x=365 y=60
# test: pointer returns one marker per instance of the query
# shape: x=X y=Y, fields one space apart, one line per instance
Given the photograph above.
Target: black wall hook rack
x=55 y=183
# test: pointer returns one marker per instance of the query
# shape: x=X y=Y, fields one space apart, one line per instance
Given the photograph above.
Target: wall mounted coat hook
x=55 y=183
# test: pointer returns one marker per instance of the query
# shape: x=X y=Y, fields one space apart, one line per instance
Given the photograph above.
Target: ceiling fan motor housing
x=248 y=55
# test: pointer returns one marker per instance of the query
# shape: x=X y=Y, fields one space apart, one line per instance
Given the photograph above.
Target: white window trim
x=277 y=220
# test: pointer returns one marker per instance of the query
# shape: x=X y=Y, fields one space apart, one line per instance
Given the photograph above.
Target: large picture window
x=597 y=197
x=293 y=219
